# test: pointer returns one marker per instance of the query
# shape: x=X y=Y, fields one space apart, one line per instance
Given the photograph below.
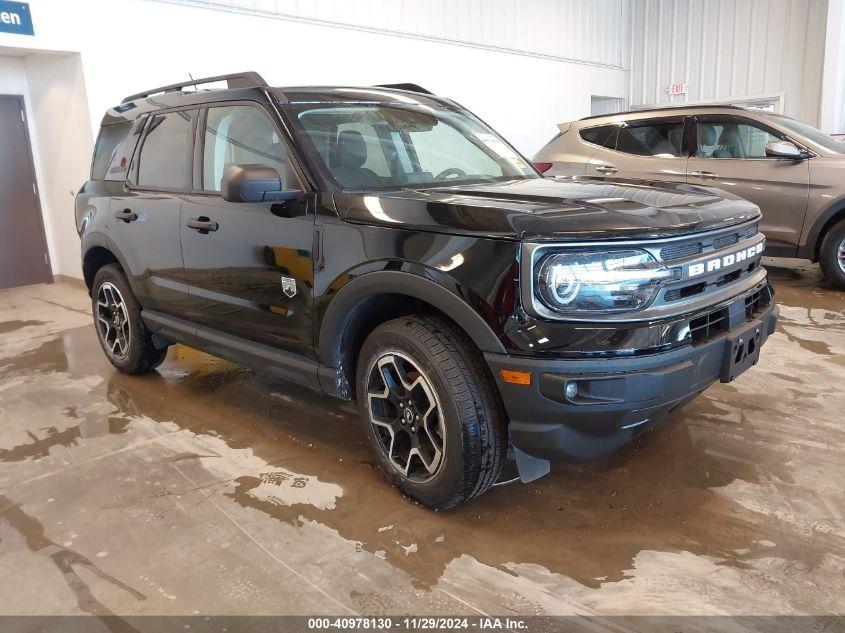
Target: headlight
x=599 y=281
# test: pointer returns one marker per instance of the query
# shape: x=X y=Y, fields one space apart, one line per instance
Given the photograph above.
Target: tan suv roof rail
x=685 y=106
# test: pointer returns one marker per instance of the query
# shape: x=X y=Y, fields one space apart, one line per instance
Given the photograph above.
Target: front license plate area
x=741 y=352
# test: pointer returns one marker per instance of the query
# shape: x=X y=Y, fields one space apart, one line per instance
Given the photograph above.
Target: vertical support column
x=832 y=112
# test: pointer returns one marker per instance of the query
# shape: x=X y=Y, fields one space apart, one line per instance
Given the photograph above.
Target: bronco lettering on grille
x=712 y=265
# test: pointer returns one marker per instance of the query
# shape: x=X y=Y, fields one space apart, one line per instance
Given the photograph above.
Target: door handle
x=202 y=225
x=127 y=215
x=703 y=174
x=319 y=260
x=606 y=169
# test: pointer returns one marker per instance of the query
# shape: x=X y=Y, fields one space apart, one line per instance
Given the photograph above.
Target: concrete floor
x=207 y=489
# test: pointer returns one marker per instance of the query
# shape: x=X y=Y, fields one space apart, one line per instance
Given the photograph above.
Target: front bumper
x=617 y=398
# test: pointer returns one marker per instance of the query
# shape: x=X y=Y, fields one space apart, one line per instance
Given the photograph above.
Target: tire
x=832 y=255
x=125 y=340
x=441 y=363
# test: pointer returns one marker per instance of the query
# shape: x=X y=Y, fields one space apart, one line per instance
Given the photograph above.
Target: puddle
x=729 y=507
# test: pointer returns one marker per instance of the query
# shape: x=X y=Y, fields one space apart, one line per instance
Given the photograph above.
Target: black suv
x=385 y=245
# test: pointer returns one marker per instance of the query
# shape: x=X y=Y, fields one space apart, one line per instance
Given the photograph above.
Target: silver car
x=794 y=172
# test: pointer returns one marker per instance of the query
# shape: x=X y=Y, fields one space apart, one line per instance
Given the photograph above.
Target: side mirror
x=784 y=149
x=254 y=183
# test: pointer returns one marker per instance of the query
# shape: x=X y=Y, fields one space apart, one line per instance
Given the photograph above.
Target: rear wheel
x=832 y=255
x=430 y=410
x=117 y=316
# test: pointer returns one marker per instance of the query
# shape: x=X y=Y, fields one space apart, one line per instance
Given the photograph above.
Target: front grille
x=758 y=301
x=729 y=277
x=690 y=249
x=687 y=291
x=725 y=240
x=750 y=231
x=707 y=326
x=680 y=251
x=676 y=294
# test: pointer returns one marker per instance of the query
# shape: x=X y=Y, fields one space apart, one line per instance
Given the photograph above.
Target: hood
x=553 y=209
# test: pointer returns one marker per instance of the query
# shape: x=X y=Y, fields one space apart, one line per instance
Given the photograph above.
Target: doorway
x=24 y=258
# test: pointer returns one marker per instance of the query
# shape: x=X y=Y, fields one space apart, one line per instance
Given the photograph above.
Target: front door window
x=731 y=139
x=240 y=135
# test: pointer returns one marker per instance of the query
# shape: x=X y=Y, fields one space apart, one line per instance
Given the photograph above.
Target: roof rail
x=408 y=87
x=667 y=108
x=247 y=79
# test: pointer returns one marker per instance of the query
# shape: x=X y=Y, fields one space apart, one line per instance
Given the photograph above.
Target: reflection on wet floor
x=211 y=489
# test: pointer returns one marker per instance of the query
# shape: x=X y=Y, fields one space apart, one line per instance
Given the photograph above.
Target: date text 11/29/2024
x=424 y=623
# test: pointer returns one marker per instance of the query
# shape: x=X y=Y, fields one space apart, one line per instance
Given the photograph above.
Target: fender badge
x=289 y=286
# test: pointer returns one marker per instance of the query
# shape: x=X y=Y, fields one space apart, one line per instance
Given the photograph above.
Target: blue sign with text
x=15 y=18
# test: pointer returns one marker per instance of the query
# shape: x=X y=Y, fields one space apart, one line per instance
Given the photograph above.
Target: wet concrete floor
x=206 y=488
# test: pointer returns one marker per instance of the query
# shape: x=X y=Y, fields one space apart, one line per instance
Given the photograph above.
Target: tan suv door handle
x=703 y=174
x=202 y=224
x=606 y=169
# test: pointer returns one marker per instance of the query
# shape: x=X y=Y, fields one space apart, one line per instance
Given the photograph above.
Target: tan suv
x=792 y=171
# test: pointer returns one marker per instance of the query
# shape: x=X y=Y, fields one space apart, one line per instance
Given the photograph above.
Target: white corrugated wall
x=729 y=50
x=586 y=31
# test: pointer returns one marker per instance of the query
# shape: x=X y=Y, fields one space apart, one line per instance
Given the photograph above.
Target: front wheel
x=117 y=316
x=430 y=410
x=832 y=255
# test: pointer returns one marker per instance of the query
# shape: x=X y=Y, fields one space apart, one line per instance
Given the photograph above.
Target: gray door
x=23 y=248
x=730 y=153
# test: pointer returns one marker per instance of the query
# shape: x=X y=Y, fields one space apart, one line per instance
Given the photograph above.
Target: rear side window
x=164 y=159
x=663 y=139
x=107 y=141
x=602 y=135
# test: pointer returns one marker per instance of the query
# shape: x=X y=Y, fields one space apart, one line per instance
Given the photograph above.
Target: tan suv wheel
x=832 y=255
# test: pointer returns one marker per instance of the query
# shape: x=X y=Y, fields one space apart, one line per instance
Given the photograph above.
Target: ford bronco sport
x=383 y=244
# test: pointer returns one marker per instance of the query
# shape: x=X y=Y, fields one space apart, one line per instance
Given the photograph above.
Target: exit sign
x=15 y=18
x=678 y=89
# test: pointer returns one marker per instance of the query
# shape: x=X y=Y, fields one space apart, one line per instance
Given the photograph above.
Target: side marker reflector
x=516 y=377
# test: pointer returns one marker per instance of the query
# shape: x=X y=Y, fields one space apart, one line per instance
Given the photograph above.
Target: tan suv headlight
x=581 y=282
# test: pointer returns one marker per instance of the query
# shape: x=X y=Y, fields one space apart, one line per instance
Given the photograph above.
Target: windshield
x=379 y=146
x=813 y=134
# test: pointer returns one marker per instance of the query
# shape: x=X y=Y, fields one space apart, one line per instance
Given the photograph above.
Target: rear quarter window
x=108 y=139
x=603 y=135
x=122 y=155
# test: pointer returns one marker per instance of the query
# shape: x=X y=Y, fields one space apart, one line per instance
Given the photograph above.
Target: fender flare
x=810 y=248
x=101 y=240
x=340 y=309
